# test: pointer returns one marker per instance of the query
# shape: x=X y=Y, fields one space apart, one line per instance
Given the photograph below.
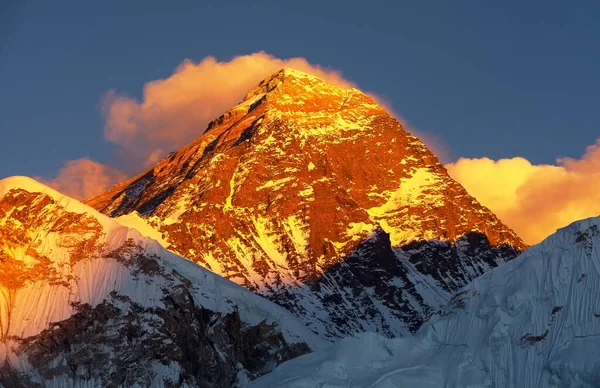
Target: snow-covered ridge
x=253 y=308
x=64 y=263
x=532 y=322
x=298 y=73
x=31 y=185
x=28 y=184
x=67 y=203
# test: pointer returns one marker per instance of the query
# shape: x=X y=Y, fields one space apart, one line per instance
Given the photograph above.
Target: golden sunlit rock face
x=305 y=192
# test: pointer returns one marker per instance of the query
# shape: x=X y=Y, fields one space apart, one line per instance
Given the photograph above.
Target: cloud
x=175 y=110
x=84 y=178
x=534 y=200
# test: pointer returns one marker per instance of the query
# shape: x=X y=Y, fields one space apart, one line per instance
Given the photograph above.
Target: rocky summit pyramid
x=87 y=302
x=317 y=198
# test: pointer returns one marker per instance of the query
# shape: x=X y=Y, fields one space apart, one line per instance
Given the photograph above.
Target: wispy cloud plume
x=175 y=110
x=84 y=178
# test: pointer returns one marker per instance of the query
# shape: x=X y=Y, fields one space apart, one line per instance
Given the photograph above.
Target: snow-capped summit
x=316 y=197
x=31 y=185
x=86 y=301
x=533 y=322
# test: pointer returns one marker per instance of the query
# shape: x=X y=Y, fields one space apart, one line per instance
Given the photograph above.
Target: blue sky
x=495 y=79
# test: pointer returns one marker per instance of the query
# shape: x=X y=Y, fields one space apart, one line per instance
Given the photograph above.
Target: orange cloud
x=84 y=178
x=534 y=200
x=177 y=109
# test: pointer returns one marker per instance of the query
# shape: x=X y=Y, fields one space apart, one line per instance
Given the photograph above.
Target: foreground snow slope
x=85 y=301
x=533 y=322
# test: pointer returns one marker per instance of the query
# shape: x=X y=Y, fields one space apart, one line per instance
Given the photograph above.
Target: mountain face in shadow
x=393 y=290
x=284 y=193
x=532 y=322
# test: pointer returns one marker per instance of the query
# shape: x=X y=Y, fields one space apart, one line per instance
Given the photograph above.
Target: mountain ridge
x=285 y=186
x=86 y=300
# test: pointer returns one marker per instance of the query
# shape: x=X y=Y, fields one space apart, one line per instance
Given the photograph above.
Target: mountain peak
x=300 y=179
x=295 y=75
x=294 y=83
x=295 y=72
x=290 y=73
x=309 y=101
x=34 y=188
x=25 y=183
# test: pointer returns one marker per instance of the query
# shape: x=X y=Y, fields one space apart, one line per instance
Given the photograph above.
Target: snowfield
x=532 y=322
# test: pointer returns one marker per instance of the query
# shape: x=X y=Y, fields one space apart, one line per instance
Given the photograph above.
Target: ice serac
x=533 y=322
x=317 y=198
x=85 y=301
